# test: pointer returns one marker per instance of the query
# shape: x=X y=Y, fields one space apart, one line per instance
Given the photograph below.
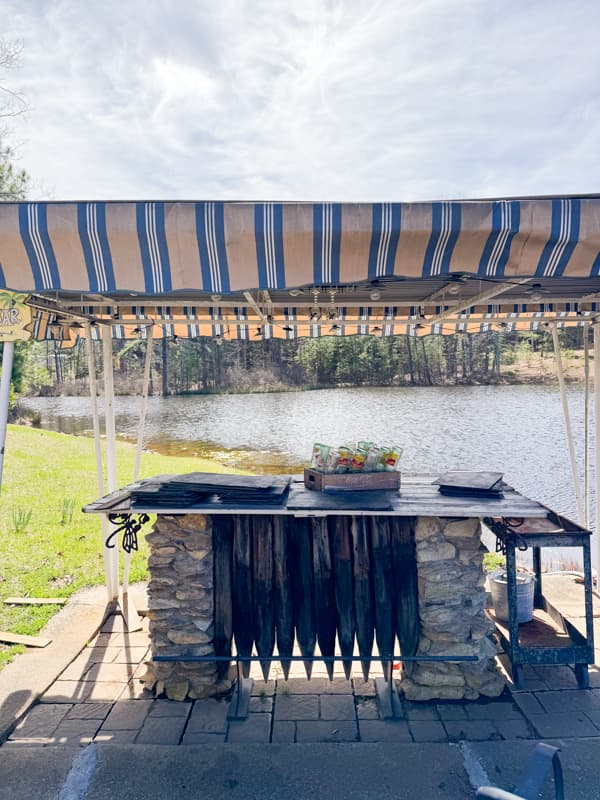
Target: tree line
x=208 y=366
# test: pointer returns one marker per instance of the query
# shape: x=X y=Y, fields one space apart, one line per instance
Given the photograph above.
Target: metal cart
x=550 y=638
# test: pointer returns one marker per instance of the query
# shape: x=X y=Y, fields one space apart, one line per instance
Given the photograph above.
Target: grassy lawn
x=48 y=548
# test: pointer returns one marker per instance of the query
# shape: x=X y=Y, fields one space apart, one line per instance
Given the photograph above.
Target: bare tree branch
x=10 y=58
x=13 y=182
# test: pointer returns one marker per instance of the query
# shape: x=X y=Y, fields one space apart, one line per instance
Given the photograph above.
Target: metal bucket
x=525 y=590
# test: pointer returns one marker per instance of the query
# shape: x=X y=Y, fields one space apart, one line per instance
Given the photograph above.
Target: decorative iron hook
x=130 y=525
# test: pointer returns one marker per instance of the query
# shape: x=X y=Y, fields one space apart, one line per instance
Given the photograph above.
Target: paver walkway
x=99 y=698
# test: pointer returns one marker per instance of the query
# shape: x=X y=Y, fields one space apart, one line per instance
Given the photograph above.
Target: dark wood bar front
x=369 y=578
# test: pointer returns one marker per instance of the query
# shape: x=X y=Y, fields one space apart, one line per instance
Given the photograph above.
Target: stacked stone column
x=181 y=608
x=451 y=611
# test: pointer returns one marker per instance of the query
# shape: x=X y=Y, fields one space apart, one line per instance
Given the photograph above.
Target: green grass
x=48 y=547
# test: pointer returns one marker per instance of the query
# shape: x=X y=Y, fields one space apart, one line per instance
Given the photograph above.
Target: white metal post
x=7 y=364
x=140 y=439
x=111 y=458
x=104 y=525
x=143 y=404
x=586 y=424
x=567 y=419
x=597 y=441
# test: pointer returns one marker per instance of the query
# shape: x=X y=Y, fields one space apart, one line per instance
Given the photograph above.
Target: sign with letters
x=15 y=316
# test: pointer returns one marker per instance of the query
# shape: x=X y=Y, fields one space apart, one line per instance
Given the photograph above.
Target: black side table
x=550 y=638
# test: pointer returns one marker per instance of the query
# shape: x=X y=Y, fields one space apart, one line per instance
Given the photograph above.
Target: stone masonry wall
x=451 y=610
x=180 y=602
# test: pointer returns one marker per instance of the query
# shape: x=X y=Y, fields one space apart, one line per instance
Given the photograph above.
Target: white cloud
x=313 y=100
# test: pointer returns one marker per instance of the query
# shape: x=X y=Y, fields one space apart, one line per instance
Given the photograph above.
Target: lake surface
x=517 y=430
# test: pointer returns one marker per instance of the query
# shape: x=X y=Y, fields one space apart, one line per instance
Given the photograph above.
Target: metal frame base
x=388 y=699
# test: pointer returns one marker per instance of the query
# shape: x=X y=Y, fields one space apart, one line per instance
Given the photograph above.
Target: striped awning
x=157 y=248
x=243 y=323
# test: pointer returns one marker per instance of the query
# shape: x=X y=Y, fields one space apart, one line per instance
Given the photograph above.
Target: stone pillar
x=451 y=611
x=180 y=602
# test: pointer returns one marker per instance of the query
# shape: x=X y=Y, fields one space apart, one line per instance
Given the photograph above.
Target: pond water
x=517 y=430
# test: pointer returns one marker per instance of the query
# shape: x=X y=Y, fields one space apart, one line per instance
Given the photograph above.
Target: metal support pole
x=104 y=524
x=567 y=418
x=140 y=439
x=7 y=363
x=111 y=460
x=586 y=425
x=143 y=404
x=597 y=441
x=91 y=361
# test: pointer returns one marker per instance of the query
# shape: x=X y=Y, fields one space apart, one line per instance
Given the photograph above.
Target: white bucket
x=525 y=589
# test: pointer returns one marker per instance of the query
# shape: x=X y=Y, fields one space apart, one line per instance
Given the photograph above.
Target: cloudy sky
x=313 y=99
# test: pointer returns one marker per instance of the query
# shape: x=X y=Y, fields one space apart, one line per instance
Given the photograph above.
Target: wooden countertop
x=417 y=497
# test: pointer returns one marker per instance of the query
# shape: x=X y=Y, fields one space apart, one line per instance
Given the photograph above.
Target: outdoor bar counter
x=340 y=576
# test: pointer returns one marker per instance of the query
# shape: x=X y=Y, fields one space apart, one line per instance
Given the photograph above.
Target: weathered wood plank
x=325 y=615
x=341 y=553
x=223 y=566
x=406 y=590
x=17 y=638
x=300 y=539
x=262 y=569
x=383 y=591
x=282 y=593
x=363 y=591
x=35 y=601
x=243 y=606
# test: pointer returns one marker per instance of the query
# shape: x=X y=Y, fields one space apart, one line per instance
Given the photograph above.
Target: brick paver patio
x=99 y=698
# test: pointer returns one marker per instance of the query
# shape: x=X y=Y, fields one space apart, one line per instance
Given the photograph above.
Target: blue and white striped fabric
x=213 y=247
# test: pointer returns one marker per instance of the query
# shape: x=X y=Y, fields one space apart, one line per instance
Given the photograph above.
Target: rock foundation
x=451 y=612
x=180 y=603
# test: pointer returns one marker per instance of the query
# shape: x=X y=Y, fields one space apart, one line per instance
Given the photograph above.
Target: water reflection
x=517 y=430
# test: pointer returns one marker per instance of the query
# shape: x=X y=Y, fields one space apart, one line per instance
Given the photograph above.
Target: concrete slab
x=257 y=728
x=514 y=729
x=213 y=771
x=283 y=732
x=202 y=738
x=260 y=705
x=570 y=700
x=115 y=737
x=297 y=707
x=33 y=773
x=76 y=732
x=427 y=730
x=391 y=771
x=566 y=724
x=24 y=680
x=161 y=730
x=337 y=707
x=89 y=711
x=474 y=730
x=451 y=711
x=364 y=688
x=169 y=708
x=42 y=721
x=321 y=731
x=127 y=715
x=367 y=708
x=504 y=762
x=378 y=730
x=208 y=716
x=421 y=711
x=495 y=711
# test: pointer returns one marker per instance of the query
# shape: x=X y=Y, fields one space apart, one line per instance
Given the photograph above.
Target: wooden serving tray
x=351 y=481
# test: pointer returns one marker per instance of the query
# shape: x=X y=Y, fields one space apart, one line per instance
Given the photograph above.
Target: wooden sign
x=15 y=316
